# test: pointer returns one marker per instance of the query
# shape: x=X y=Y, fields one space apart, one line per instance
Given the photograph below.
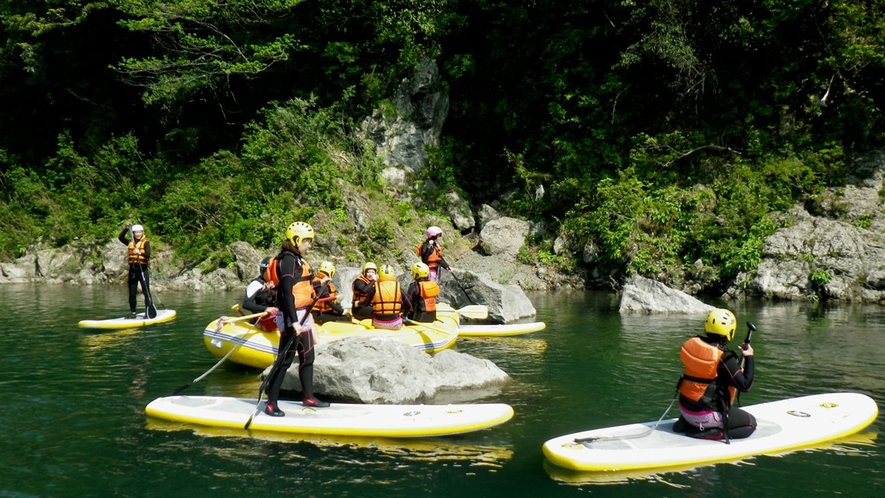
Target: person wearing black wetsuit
x=138 y=256
x=712 y=377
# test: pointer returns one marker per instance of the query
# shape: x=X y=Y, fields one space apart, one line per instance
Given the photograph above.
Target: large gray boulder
x=643 y=295
x=504 y=236
x=506 y=303
x=385 y=371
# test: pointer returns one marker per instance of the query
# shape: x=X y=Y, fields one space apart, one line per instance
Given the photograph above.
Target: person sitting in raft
x=422 y=294
x=363 y=290
x=138 y=256
x=261 y=297
x=389 y=304
x=430 y=252
x=327 y=307
x=710 y=381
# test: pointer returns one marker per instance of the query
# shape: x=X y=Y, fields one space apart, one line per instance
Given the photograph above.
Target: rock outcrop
x=385 y=371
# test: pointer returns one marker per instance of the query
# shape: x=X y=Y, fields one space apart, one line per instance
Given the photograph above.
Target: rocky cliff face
x=832 y=249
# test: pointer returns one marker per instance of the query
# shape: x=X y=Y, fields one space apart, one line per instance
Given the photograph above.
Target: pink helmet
x=433 y=231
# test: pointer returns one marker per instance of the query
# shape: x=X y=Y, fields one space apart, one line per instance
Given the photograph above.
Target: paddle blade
x=151 y=311
x=474 y=311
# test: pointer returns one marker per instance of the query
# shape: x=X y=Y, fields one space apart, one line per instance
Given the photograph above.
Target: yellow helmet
x=721 y=322
x=369 y=266
x=385 y=271
x=299 y=231
x=328 y=268
x=420 y=270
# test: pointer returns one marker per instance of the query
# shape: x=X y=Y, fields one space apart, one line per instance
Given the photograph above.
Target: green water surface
x=73 y=418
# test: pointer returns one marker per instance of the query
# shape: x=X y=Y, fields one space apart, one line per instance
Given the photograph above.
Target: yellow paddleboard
x=782 y=426
x=340 y=419
x=140 y=320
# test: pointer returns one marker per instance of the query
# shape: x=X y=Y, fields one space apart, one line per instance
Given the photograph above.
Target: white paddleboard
x=342 y=419
x=783 y=426
x=500 y=330
x=140 y=320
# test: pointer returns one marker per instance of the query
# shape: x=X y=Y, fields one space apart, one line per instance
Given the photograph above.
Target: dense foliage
x=652 y=134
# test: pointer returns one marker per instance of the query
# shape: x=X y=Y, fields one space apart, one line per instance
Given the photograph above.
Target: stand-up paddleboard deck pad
x=339 y=419
x=782 y=426
x=140 y=320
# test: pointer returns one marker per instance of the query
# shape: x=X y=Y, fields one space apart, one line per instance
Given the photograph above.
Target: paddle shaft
x=281 y=353
x=462 y=288
x=150 y=309
x=422 y=324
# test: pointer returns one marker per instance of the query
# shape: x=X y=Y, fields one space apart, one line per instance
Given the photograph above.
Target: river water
x=73 y=405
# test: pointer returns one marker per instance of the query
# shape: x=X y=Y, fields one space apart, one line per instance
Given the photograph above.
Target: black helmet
x=263 y=265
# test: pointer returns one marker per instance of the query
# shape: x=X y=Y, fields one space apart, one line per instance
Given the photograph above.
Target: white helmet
x=137 y=228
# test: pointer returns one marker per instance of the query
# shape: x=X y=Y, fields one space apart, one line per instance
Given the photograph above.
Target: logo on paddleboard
x=829 y=405
x=799 y=414
x=411 y=414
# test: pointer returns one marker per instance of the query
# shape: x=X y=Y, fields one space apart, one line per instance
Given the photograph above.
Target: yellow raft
x=256 y=348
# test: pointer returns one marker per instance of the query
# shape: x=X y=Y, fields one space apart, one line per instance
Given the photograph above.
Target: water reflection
x=857 y=445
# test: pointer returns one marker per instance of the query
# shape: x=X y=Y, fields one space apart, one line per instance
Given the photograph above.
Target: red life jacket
x=302 y=292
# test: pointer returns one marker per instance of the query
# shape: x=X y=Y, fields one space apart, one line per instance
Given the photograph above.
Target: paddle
x=422 y=324
x=452 y=273
x=281 y=353
x=474 y=311
x=221 y=322
x=150 y=310
x=225 y=320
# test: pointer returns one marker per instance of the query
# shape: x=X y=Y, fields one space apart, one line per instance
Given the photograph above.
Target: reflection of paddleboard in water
x=783 y=426
x=425 y=450
x=140 y=320
x=340 y=419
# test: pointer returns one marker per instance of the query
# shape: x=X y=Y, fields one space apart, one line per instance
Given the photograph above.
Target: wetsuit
x=257 y=299
x=706 y=404
x=138 y=268
x=294 y=296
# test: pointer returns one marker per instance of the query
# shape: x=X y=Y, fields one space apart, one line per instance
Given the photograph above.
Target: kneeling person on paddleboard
x=712 y=376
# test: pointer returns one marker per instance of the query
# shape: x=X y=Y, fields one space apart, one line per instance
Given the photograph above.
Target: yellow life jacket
x=140 y=258
x=388 y=298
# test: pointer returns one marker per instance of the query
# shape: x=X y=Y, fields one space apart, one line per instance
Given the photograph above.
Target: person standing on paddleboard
x=138 y=256
x=711 y=378
x=292 y=278
x=430 y=252
x=261 y=297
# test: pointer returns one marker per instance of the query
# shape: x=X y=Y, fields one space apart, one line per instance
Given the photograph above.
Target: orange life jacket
x=302 y=292
x=360 y=298
x=700 y=361
x=332 y=292
x=137 y=259
x=388 y=298
x=428 y=290
x=435 y=257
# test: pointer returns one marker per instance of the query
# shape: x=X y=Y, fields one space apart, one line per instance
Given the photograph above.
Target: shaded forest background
x=663 y=132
